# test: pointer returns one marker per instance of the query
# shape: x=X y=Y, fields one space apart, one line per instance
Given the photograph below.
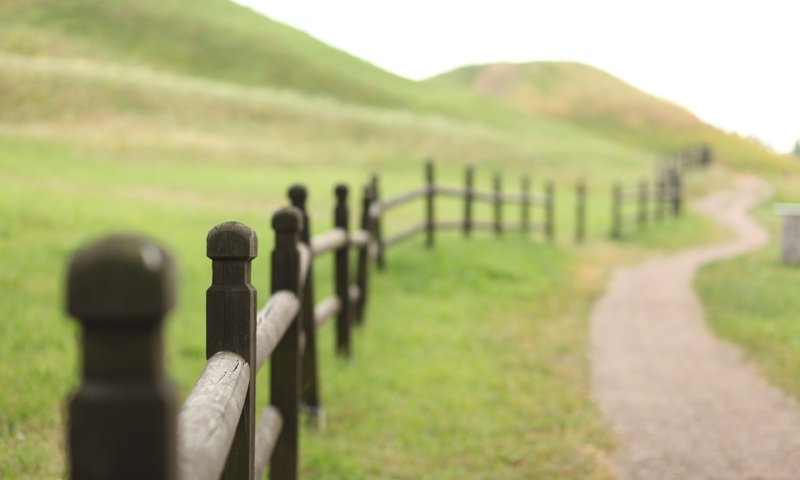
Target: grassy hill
x=572 y=91
x=220 y=40
x=605 y=105
x=170 y=116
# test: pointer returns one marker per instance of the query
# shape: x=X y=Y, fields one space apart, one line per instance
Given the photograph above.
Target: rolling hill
x=169 y=116
x=604 y=104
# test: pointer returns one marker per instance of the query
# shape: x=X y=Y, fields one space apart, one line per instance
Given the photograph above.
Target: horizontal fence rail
x=544 y=201
x=124 y=421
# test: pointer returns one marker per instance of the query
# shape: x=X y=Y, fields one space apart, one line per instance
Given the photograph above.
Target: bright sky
x=734 y=63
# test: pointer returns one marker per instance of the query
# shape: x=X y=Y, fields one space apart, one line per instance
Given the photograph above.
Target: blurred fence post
x=616 y=211
x=342 y=274
x=498 y=204
x=642 y=200
x=525 y=213
x=430 y=196
x=677 y=193
x=362 y=265
x=377 y=226
x=469 y=181
x=580 y=211
x=285 y=364
x=122 y=417
x=550 y=211
x=231 y=326
x=310 y=394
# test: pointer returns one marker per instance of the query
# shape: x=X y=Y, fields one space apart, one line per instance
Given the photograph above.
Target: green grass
x=472 y=361
x=528 y=379
x=474 y=356
x=474 y=353
x=752 y=300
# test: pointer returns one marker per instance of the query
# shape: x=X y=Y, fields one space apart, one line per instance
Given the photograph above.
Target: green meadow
x=169 y=117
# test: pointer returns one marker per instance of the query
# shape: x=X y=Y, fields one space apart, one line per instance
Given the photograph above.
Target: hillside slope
x=606 y=105
x=220 y=40
x=571 y=91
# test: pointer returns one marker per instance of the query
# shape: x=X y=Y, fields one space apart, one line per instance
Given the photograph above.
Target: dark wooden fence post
x=377 y=226
x=469 y=182
x=285 y=367
x=550 y=211
x=430 y=196
x=122 y=416
x=580 y=211
x=616 y=211
x=643 y=200
x=362 y=268
x=705 y=156
x=231 y=326
x=341 y=273
x=525 y=210
x=498 y=204
x=660 y=196
x=676 y=193
x=310 y=394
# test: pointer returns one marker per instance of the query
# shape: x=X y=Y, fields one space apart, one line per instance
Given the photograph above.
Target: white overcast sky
x=734 y=63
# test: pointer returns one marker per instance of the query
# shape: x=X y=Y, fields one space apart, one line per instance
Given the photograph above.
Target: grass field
x=752 y=300
x=474 y=352
x=473 y=359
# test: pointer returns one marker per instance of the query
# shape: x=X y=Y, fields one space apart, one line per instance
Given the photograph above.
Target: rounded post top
x=122 y=279
x=341 y=192
x=287 y=220
x=231 y=240
x=369 y=192
x=298 y=194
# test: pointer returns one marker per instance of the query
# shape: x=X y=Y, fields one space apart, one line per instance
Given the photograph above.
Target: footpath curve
x=685 y=404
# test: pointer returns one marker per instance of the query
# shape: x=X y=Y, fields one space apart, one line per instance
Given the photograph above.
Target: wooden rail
x=642 y=204
x=525 y=200
x=124 y=422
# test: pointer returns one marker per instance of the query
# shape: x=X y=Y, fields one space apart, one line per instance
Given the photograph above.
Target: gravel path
x=685 y=404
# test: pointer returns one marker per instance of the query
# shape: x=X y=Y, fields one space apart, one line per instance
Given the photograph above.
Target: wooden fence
x=124 y=422
x=635 y=207
x=526 y=200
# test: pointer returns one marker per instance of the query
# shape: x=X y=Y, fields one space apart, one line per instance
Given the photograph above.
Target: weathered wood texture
x=285 y=367
x=267 y=433
x=326 y=309
x=359 y=238
x=231 y=326
x=121 y=418
x=328 y=241
x=272 y=322
x=208 y=419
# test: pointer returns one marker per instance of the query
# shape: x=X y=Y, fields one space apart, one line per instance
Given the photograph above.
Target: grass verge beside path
x=752 y=300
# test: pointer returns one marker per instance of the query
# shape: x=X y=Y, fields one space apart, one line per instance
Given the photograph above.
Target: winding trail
x=685 y=404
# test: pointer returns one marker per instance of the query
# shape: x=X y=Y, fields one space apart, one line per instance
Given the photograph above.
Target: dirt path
x=685 y=404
